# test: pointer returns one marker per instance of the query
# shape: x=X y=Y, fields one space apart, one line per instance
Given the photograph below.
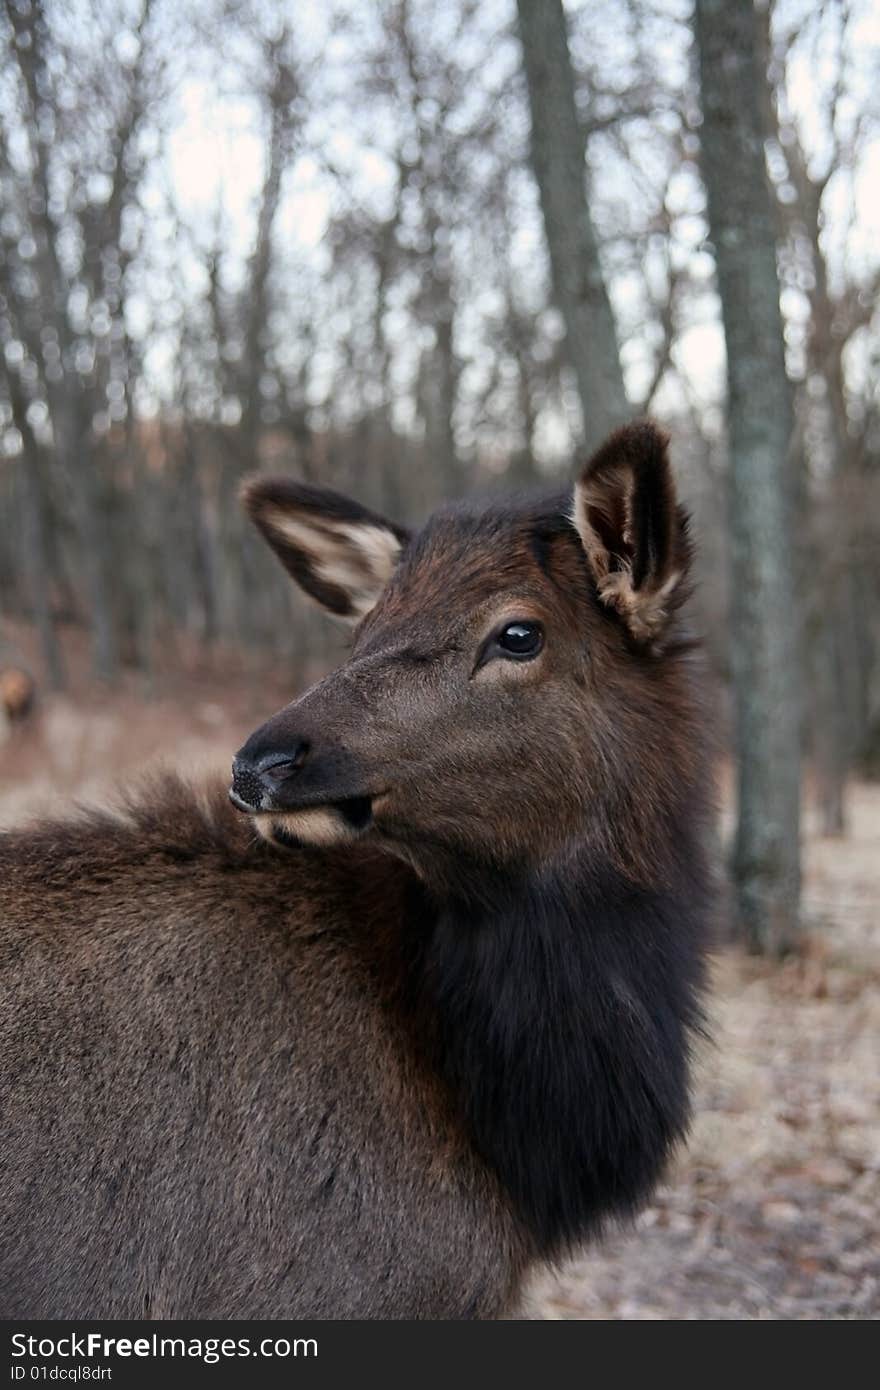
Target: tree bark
x=764 y=616
x=559 y=165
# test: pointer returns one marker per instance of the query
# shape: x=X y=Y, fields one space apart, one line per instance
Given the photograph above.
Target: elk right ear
x=339 y=553
x=633 y=530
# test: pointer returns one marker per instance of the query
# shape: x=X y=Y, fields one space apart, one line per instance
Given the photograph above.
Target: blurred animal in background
x=17 y=692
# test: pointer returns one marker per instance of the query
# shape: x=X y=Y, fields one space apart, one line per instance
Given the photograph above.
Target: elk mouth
x=316 y=823
x=356 y=811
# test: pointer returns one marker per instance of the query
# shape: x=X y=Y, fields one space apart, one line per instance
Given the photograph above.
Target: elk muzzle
x=300 y=787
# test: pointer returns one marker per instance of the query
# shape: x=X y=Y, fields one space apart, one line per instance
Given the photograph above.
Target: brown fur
x=144 y=1055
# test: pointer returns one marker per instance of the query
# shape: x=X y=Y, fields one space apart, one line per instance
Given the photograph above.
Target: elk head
x=514 y=681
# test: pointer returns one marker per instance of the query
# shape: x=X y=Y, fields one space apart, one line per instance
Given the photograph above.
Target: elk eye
x=521 y=640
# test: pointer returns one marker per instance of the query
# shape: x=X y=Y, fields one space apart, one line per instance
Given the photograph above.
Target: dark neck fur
x=563 y=1014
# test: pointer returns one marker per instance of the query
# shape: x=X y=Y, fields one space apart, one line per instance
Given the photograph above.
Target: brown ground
x=773 y=1211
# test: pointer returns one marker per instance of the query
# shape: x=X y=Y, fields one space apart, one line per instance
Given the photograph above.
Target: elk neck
x=561 y=1012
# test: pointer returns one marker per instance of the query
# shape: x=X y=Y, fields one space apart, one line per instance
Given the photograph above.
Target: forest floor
x=773 y=1209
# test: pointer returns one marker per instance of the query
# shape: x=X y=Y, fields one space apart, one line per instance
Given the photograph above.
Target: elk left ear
x=339 y=553
x=633 y=530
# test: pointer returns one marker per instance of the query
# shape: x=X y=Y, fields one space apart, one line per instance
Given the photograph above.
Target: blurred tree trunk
x=560 y=170
x=828 y=563
x=35 y=527
x=832 y=730
x=517 y=335
x=766 y=667
x=240 y=546
x=835 y=724
x=93 y=515
x=429 y=171
x=65 y=398
x=202 y=559
x=281 y=91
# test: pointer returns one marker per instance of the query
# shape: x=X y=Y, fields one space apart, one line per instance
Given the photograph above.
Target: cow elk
x=414 y=1014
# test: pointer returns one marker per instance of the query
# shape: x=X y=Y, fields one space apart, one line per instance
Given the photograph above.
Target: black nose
x=255 y=780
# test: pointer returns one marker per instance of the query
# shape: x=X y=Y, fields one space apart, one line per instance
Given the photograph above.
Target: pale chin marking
x=320 y=825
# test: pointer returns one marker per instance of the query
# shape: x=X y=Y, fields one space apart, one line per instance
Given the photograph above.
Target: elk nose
x=255 y=780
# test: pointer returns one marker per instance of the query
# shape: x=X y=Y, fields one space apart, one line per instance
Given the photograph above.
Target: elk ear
x=632 y=528
x=340 y=553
